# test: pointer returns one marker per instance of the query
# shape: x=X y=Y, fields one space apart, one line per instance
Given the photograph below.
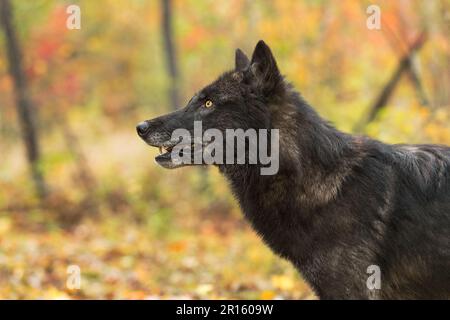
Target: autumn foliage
x=137 y=231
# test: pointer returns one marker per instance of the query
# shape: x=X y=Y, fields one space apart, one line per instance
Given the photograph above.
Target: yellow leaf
x=204 y=289
x=55 y=294
x=5 y=225
x=267 y=295
x=282 y=282
x=178 y=246
x=136 y=295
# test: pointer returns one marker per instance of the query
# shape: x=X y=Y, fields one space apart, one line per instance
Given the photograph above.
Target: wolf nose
x=142 y=128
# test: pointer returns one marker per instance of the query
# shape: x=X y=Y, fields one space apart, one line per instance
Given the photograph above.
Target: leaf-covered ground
x=121 y=259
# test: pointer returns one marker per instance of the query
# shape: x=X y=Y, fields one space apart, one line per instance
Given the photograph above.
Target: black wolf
x=339 y=204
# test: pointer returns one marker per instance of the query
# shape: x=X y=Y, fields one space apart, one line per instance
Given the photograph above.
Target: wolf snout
x=142 y=128
x=153 y=132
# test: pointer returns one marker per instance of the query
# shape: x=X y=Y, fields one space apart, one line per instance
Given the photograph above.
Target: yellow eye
x=208 y=103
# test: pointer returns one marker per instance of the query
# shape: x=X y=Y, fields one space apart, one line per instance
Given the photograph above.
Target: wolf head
x=238 y=99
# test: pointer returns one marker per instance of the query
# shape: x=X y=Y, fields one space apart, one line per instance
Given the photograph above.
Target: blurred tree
x=24 y=105
x=400 y=43
x=170 y=52
x=171 y=59
x=404 y=64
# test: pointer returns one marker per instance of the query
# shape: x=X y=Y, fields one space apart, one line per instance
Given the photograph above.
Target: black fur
x=339 y=203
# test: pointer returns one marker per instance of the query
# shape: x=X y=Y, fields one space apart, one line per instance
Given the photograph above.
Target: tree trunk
x=171 y=59
x=385 y=94
x=24 y=106
x=170 y=52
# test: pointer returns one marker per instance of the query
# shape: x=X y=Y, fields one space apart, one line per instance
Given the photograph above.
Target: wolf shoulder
x=426 y=165
x=416 y=175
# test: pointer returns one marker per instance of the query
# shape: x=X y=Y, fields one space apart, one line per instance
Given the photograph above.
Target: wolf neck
x=315 y=158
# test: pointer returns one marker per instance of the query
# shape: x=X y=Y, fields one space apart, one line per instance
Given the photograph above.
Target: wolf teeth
x=163 y=150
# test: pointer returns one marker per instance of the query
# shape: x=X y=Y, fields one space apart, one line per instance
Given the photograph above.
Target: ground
x=121 y=260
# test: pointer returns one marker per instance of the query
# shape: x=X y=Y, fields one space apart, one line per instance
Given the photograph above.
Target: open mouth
x=170 y=160
x=164 y=158
x=165 y=150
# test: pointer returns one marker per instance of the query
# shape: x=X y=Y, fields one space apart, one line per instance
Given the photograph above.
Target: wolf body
x=340 y=205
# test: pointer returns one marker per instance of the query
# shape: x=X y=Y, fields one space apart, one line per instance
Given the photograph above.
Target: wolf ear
x=241 y=60
x=264 y=67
